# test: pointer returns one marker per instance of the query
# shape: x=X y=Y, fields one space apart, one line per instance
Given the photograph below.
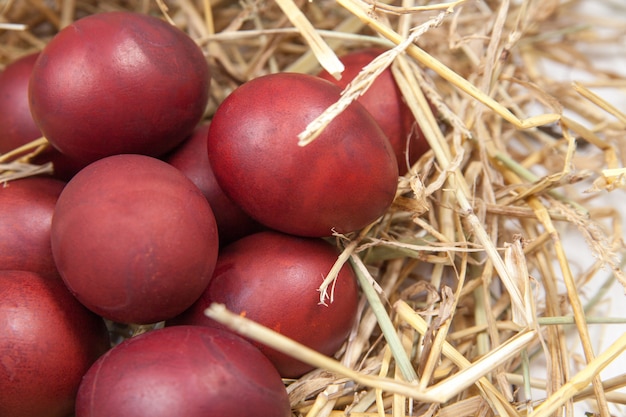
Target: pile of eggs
x=154 y=212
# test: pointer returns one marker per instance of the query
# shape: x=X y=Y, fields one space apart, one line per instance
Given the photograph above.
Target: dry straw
x=467 y=281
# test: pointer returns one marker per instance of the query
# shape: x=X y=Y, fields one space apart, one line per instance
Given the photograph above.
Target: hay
x=468 y=282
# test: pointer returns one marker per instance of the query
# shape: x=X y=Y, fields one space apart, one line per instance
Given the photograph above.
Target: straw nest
x=467 y=281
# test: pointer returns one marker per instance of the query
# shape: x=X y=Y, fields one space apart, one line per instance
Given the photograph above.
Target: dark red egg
x=192 y=159
x=48 y=341
x=342 y=181
x=188 y=371
x=273 y=279
x=118 y=82
x=17 y=126
x=386 y=104
x=134 y=239
x=27 y=207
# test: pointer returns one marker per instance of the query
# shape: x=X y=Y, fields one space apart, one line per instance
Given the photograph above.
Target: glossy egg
x=342 y=181
x=188 y=371
x=118 y=82
x=134 y=239
x=273 y=278
x=48 y=341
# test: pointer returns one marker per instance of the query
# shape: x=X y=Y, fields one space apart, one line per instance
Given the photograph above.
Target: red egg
x=134 y=239
x=118 y=82
x=27 y=207
x=191 y=158
x=17 y=126
x=386 y=104
x=188 y=371
x=342 y=181
x=273 y=278
x=48 y=341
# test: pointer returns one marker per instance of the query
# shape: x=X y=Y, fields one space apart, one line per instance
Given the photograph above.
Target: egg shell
x=273 y=279
x=134 y=239
x=191 y=159
x=48 y=341
x=384 y=101
x=27 y=208
x=188 y=371
x=118 y=82
x=342 y=181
